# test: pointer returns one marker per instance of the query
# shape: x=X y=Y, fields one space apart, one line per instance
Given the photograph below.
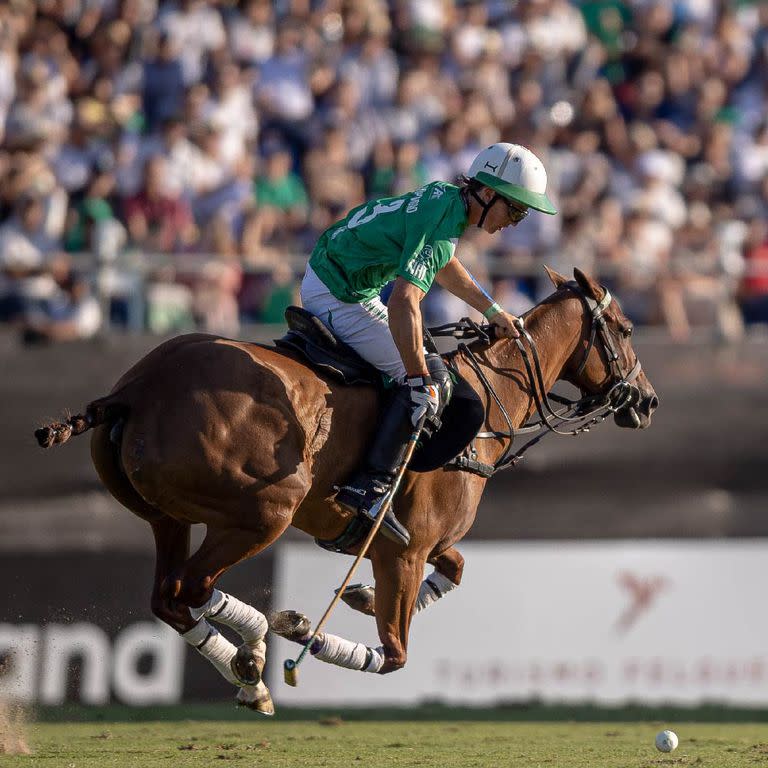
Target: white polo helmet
x=515 y=173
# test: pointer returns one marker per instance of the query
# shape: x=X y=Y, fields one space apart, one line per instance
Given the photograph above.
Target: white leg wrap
x=432 y=589
x=209 y=642
x=377 y=659
x=249 y=623
x=344 y=653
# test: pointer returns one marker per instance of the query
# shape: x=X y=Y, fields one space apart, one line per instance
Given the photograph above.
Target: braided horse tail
x=98 y=412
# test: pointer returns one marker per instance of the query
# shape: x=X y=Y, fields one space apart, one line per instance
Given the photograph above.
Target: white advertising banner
x=653 y=622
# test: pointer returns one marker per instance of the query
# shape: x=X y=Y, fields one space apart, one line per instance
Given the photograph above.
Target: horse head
x=605 y=363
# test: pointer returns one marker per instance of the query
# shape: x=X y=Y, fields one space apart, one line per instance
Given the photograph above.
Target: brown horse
x=248 y=440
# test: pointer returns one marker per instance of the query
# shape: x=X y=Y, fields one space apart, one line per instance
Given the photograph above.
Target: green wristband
x=492 y=310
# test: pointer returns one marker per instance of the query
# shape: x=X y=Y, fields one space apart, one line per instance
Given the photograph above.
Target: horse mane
x=481 y=345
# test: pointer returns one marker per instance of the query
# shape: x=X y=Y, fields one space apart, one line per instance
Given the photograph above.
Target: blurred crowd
x=169 y=165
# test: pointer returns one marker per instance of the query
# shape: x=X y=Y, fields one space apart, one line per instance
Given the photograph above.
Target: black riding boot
x=367 y=487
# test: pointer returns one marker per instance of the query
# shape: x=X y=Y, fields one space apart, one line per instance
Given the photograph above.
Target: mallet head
x=291 y=672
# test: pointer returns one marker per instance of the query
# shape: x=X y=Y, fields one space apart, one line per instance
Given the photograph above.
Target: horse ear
x=588 y=285
x=556 y=278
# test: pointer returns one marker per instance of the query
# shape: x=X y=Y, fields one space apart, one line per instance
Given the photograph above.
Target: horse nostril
x=651 y=404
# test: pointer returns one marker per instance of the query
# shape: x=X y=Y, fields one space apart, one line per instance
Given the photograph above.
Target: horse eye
x=626 y=332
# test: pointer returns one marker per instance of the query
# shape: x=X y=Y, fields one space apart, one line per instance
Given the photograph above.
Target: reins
x=581 y=414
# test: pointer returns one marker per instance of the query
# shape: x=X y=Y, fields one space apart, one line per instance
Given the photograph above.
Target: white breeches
x=364 y=326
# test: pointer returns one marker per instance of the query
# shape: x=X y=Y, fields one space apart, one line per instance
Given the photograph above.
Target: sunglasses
x=516 y=215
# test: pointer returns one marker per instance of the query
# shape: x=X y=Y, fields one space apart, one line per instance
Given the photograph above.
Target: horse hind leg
x=171 y=535
x=248 y=663
x=229 y=660
x=222 y=548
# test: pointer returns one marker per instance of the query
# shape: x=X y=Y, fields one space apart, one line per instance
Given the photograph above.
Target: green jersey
x=411 y=236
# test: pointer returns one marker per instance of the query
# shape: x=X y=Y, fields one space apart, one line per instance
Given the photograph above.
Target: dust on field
x=13 y=727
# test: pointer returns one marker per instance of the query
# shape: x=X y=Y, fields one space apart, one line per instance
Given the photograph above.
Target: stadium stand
x=169 y=165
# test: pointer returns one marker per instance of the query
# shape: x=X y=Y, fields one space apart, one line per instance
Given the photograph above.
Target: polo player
x=411 y=239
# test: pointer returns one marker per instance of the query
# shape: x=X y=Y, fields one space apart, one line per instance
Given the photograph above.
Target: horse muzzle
x=636 y=411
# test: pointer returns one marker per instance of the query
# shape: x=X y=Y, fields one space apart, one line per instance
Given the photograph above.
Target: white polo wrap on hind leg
x=344 y=653
x=209 y=642
x=249 y=623
x=432 y=589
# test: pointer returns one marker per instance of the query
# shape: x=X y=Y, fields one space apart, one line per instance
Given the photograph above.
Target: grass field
x=333 y=742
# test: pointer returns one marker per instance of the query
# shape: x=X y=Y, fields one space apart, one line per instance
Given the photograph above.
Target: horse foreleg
x=449 y=566
x=400 y=578
x=397 y=584
x=326 y=647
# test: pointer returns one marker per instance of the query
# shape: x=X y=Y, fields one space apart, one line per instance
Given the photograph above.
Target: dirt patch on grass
x=13 y=727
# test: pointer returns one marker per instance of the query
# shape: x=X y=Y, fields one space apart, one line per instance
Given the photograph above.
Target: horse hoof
x=360 y=597
x=292 y=626
x=248 y=663
x=257 y=698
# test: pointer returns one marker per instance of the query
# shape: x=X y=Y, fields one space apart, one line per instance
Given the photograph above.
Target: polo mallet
x=291 y=666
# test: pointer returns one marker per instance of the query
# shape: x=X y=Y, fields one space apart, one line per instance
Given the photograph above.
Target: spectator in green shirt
x=277 y=186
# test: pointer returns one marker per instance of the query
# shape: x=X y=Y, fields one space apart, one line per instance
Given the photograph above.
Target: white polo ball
x=666 y=741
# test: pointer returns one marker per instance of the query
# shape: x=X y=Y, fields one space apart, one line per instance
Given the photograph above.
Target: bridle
x=623 y=393
x=578 y=415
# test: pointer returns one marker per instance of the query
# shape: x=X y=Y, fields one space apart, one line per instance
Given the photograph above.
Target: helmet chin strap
x=485 y=206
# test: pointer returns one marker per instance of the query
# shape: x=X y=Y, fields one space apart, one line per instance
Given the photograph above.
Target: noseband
x=580 y=415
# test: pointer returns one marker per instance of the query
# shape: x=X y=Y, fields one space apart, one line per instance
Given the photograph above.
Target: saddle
x=462 y=416
x=308 y=336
